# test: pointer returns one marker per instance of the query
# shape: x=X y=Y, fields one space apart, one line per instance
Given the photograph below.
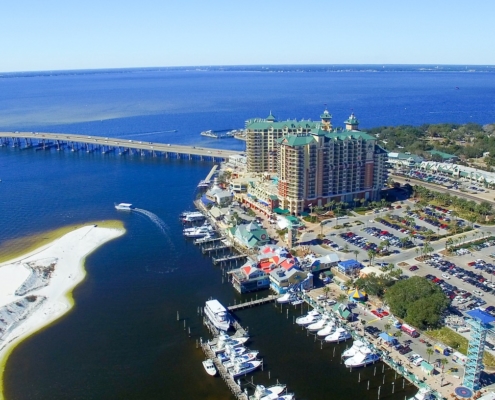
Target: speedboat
x=210 y=367
x=124 y=207
x=297 y=301
x=309 y=318
x=217 y=314
x=243 y=368
x=327 y=330
x=264 y=393
x=340 y=335
x=423 y=394
x=362 y=358
x=231 y=352
x=353 y=350
x=316 y=326
x=246 y=357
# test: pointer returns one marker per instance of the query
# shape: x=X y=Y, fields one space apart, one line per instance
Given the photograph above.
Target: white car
x=446 y=276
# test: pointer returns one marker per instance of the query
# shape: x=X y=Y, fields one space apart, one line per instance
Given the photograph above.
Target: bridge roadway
x=46 y=140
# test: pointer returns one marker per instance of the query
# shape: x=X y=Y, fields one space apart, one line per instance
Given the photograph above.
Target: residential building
x=316 y=163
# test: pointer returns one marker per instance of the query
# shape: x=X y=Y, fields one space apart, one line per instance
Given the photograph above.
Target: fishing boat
x=264 y=393
x=340 y=335
x=246 y=357
x=218 y=315
x=362 y=358
x=353 y=350
x=209 y=367
x=316 y=326
x=327 y=330
x=309 y=318
x=224 y=341
x=124 y=206
x=231 y=352
x=243 y=368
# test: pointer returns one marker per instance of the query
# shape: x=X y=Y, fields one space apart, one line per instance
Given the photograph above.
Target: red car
x=413 y=268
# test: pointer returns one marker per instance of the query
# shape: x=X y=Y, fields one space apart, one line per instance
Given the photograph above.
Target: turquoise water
x=122 y=340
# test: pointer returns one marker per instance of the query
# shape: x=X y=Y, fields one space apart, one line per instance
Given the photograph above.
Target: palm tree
x=342 y=297
x=326 y=290
x=371 y=255
x=398 y=334
x=356 y=252
x=387 y=326
x=429 y=351
x=443 y=362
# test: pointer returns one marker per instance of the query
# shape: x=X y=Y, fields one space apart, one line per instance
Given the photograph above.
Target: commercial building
x=316 y=163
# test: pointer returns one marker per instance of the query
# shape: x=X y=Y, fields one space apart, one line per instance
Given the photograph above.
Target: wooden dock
x=215 y=248
x=228 y=258
x=224 y=374
x=253 y=303
x=210 y=240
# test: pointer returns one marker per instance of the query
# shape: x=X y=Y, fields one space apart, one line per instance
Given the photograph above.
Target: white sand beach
x=43 y=279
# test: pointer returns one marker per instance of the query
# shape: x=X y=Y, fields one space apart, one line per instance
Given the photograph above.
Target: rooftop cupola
x=270 y=118
x=326 y=121
x=352 y=123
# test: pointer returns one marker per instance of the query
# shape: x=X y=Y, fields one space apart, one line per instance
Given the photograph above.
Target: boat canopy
x=215 y=306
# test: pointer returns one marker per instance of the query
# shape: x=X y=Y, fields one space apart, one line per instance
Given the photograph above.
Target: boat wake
x=164 y=228
x=154 y=218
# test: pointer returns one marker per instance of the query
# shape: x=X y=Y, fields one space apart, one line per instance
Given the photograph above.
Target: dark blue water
x=122 y=340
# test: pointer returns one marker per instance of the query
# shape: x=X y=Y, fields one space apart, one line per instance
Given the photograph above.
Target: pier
x=208 y=240
x=253 y=303
x=228 y=258
x=105 y=145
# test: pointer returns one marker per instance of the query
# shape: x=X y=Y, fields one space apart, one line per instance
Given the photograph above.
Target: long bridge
x=105 y=145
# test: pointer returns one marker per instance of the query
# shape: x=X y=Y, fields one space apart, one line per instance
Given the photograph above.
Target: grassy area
x=458 y=343
x=17 y=247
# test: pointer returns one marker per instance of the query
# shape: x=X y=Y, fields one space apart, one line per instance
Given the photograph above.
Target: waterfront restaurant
x=249 y=278
x=249 y=235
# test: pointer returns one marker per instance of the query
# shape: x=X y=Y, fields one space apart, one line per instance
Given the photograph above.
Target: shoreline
x=67 y=254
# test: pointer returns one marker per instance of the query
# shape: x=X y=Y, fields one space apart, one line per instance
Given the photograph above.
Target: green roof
x=325 y=115
x=270 y=117
x=295 y=140
x=273 y=197
x=445 y=156
x=352 y=120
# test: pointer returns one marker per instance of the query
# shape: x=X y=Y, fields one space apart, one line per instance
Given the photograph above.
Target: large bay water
x=122 y=340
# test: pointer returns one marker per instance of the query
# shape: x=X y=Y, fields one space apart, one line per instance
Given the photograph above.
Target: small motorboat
x=210 y=367
x=286 y=298
x=362 y=358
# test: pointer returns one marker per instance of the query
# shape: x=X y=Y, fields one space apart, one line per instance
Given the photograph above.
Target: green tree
x=429 y=351
x=418 y=301
x=342 y=297
x=356 y=252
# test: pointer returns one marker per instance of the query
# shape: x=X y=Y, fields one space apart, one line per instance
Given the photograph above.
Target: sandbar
x=35 y=288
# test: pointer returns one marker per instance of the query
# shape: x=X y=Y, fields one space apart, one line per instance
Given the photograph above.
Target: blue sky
x=55 y=34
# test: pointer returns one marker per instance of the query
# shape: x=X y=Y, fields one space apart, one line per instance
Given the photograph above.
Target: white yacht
x=124 y=206
x=353 y=350
x=200 y=231
x=217 y=314
x=210 y=367
x=327 y=330
x=309 y=318
x=192 y=216
x=243 y=368
x=362 y=358
x=246 y=357
x=340 y=335
x=423 y=394
x=316 y=326
x=264 y=393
